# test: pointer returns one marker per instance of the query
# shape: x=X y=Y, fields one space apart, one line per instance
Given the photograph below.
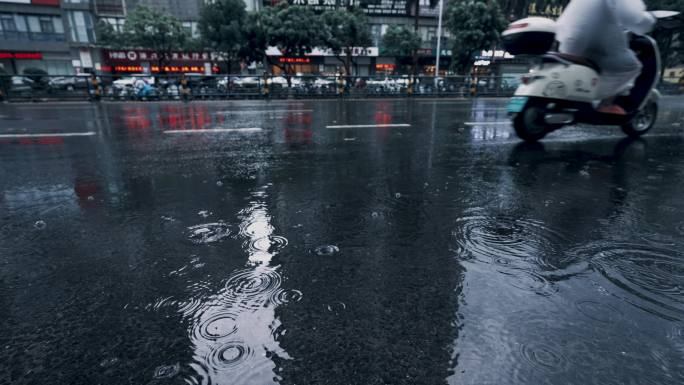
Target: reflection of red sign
x=167 y=69
x=385 y=67
x=294 y=60
x=21 y=55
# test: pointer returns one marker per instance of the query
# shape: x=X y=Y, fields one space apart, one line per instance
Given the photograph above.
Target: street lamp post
x=439 y=42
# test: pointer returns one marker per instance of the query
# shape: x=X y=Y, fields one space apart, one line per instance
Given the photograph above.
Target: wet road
x=326 y=242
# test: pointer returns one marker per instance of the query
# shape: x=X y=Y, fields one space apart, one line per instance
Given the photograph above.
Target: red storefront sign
x=54 y=3
x=21 y=55
x=136 y=56
x=385 y=67
x=167 y=69
x=294 y=60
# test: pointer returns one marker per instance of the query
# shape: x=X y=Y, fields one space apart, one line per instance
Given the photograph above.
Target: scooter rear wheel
x=529 y=124
x=642 y=122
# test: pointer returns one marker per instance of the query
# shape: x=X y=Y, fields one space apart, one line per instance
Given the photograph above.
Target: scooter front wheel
x=529 y=124
x=642 y=122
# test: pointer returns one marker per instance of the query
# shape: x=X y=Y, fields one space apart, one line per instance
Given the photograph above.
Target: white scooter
x=560 y=89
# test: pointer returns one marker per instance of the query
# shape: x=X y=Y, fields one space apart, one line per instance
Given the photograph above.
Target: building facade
x=33 y=34
x=58 y=36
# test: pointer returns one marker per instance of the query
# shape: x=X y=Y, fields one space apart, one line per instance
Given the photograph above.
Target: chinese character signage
x=135 y=56
x=167 y=69
x=370 y=7
x=21 y=55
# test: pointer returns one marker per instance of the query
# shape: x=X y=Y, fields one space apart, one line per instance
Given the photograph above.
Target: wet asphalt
x=336 y=242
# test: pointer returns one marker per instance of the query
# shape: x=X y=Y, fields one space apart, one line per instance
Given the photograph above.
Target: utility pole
x=439 y=42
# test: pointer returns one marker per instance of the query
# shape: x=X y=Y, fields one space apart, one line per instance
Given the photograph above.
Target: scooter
x=561 y=89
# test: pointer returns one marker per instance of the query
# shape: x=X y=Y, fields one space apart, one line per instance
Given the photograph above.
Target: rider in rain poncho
x=596 y=30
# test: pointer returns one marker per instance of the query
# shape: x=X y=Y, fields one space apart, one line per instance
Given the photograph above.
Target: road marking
x=261 y=112
x=486 y=123
x=58 y=134
x=214 y=130
x=370 y=125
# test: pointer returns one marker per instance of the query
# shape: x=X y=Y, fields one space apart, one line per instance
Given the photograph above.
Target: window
x=57 y=25
x=20 y=22
x=191 y=28
x=80 y=27
x=33 y=24
x=432 y=33
x=8 y=23
x=116 y=22
x=46 y=25
x=187 y=26
x=32 y=27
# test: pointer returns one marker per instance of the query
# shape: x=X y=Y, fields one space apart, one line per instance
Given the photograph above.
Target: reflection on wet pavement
x=344 y=242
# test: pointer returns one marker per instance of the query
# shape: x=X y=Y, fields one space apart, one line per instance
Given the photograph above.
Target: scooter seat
x=562 y=57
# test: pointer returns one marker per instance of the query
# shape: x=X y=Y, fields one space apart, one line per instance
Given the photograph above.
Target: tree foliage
x=474 y=25
x=294 y=30
x=256 y=39
x=400 y=41
x=107 y=36
x=342 y=31
x=148 y=29
x=156 y=31
x=222 y=26
x=671 y=38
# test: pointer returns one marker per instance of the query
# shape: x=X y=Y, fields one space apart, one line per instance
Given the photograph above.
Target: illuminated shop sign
x=21 y=55
x=167 y=69
x=295 y=60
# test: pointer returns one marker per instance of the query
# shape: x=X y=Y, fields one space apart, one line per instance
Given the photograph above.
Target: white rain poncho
x=596 y=30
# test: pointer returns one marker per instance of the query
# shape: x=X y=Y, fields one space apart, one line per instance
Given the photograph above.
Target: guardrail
x=200 y=87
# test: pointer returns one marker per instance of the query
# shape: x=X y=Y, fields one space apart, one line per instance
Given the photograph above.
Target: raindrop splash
x=327 y=250
x=167 y=371
x=229 y=356
x=208 y=232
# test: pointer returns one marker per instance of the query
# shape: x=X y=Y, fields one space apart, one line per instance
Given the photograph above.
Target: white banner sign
x=356 y=51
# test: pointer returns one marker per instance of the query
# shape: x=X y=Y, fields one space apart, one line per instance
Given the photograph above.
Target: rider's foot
x=612 y=109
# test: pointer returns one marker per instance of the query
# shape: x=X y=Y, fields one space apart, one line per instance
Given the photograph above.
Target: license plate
x=517 y=104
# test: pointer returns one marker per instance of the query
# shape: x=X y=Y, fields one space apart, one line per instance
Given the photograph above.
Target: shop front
x=54 y=63
x=499 y=69
x=146 y=62
x=323 y=62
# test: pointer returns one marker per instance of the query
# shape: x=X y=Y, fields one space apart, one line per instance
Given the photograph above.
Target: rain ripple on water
x=252 y=288
x=642 y=274
x=229 y=356
x=208 y=232
x=497 y=238
x=215 y=325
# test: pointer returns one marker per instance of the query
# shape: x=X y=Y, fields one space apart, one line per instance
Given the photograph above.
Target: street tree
x=255 y=37
x=156 y=31
x=342 y=31
x=222 y=27
x=474 y=25
x=109 y=37
x=400 y=41
x=294 y=30
x=670 y=38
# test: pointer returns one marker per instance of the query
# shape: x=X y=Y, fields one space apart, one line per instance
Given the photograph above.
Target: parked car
x=22 y=85
x=68 y=83
x=247 y=82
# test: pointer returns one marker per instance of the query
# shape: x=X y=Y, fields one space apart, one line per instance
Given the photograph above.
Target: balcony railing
x=32 y=36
